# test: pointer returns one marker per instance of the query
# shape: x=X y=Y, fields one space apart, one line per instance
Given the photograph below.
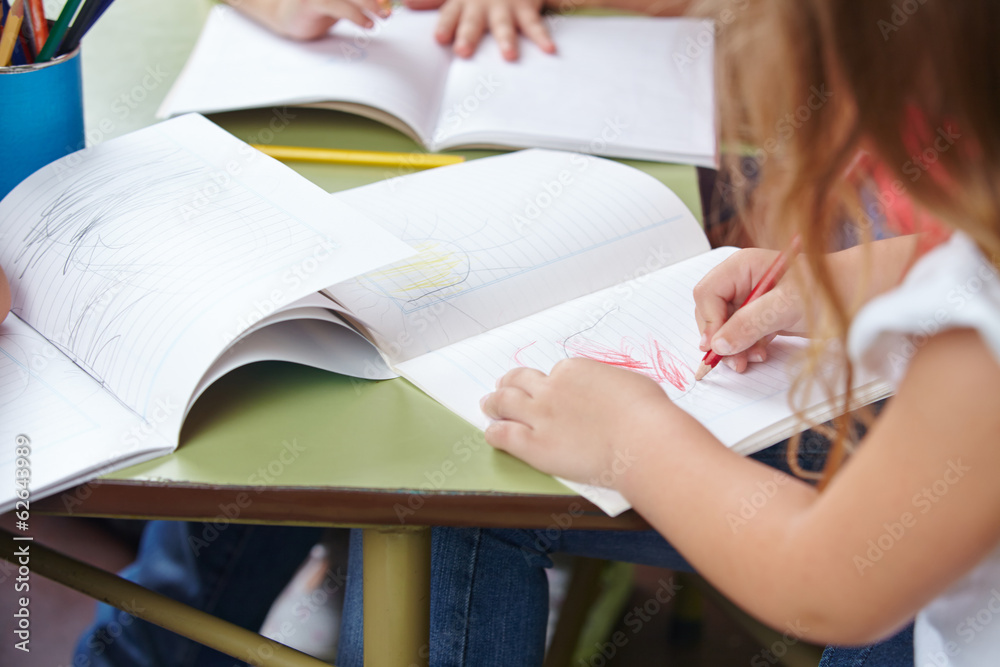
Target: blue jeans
x=489 y=592
x=231 y=571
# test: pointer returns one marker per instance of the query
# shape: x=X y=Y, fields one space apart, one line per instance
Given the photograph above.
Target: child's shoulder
x=953 y=286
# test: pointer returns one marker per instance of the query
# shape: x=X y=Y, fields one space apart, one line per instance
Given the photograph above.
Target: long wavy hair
x=810 y=86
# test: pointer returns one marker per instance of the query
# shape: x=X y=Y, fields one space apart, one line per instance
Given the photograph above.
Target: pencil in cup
x=11 y=32
x=763 y=286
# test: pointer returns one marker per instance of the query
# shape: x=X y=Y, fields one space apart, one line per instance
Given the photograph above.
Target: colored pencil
x=11 y=31
x=370 y=158
x=39 y=26
x=763 y=286
x=58 y=31
x=85 y=20
x=28 y=33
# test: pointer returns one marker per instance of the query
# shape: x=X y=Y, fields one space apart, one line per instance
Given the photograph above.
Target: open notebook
x=147 y=267
x=633 y=87
x=537 y=256
x=133 y=265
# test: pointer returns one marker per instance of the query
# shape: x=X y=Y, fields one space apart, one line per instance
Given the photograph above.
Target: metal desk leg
x=397 y=589
x=153 y=607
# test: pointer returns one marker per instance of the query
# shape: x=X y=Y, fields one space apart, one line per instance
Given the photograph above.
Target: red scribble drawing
x=652 y=360
x=623 y=358
x=517 y=357
x=668 y=367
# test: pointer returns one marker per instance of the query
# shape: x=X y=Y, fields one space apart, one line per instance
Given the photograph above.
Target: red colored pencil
x=36 y=14
x=763 y=286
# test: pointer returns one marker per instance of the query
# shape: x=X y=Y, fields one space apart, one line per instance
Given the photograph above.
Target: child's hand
x=742 y=336
x=585 y=421
x=464 y=22
x=309 y=19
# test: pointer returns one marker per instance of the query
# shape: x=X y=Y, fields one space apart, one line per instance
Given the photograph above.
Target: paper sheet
x=618 y=86
x=75 y=428
x=646 y=325
x=502 y=238
x=143 y=257
x=237 y=64
x=631 y=87
x=307 y=337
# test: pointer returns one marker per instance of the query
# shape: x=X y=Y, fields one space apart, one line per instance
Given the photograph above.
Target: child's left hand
x=585 y=421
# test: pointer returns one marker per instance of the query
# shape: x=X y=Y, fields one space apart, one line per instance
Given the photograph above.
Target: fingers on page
x=471 y=27
x=448 y=19
x=502 y=26
x=527 y=379
x=530 y=21
x=511 y=403
x=511 y=437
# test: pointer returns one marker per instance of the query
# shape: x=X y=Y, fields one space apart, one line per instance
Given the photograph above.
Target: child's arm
x=308 y=19
x=914 y=509
x=463 y=22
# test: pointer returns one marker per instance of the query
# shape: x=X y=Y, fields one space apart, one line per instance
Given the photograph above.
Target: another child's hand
x=742 y=336
x=463 y=23
x=309 y=19
x=583 y=421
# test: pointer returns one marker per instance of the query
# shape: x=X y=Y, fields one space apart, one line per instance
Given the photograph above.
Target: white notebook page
x=619 y=86
x=647 y=325
x=594 y=96
x=502 y=238
x=237 y=64
x=144 y=261
x=74 y=427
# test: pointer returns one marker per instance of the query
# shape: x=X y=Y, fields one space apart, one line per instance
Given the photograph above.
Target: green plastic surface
x=282 y=424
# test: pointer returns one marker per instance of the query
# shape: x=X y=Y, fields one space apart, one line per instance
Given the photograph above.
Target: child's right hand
x=463 y=23
x=742 y=335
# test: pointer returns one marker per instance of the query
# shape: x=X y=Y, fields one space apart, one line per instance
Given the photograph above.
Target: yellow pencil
x=371 y=158
x=11 y=32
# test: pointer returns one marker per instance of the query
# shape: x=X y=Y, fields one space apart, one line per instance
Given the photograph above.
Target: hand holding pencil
x=740 y=335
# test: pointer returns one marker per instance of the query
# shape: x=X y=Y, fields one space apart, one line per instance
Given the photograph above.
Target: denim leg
x=474 y=574
x=350 y=645
x=231 y=571
x=489 y=591
x=897 y=651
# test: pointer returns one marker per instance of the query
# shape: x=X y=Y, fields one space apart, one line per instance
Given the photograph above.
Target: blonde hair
x=811 y=84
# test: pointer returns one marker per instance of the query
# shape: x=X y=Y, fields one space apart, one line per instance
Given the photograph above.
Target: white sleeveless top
x=952 y=286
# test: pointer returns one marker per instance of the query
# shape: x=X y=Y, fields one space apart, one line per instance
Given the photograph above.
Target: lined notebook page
x=75 y=427
x=237 y=64
x=646 y=325
x=143 y=257
x=504 y=237
x=618 y=86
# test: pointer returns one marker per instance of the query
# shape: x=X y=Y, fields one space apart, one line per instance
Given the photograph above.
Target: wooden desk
x=286 y=444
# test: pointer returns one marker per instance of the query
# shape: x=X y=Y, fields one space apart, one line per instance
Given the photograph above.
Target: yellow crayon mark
x=433 y=269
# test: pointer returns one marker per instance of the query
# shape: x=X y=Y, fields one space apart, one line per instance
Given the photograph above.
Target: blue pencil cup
x=42 y=111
